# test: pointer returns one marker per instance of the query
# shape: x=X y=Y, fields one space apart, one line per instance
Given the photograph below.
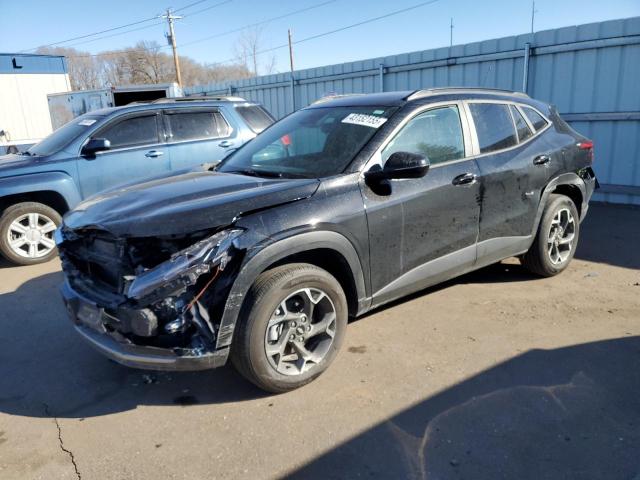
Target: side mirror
x=400 y=165
x=95 y=145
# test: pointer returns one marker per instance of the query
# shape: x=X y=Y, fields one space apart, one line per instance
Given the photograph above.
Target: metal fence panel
x=590 y=72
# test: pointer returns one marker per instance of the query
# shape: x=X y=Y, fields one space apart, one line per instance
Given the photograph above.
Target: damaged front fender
x=183 y=269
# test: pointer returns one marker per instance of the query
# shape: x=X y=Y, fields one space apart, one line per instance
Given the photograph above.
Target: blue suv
x=105 y=148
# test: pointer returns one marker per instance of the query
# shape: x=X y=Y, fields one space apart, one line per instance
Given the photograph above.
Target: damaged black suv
x=336 y=209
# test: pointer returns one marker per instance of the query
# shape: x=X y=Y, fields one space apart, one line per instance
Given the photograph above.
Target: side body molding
x=58 y=182
x=256 y=264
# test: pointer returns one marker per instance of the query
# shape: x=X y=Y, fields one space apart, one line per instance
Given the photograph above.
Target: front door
x=137 y=151
x=422 y=231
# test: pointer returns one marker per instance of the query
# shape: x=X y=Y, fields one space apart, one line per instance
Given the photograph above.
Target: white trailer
x=25 y=82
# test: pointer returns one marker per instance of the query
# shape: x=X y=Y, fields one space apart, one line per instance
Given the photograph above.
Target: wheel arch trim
x=257 y=263
x=570 y=179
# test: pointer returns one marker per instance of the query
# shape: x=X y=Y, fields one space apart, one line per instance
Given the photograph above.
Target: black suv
x=336 y=209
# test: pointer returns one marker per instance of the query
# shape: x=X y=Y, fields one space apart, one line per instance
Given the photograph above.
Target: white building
x=25 y=82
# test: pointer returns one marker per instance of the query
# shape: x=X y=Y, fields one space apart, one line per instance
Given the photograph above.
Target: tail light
x=586 y=145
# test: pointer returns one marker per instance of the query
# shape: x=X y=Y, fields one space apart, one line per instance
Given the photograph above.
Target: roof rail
x=330 y=97
x=200 y=98
x=443 y=90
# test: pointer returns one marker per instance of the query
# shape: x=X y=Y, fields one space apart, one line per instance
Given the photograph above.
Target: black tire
x=16 y=211
x=538 y=260
x=248 y=351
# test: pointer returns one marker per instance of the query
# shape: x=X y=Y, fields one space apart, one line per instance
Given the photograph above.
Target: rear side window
x=197 y=125
x=535 y=118
x=494 y=126
x=255 y=116
x=436 y=133
x=132 y=132
x=522 y=128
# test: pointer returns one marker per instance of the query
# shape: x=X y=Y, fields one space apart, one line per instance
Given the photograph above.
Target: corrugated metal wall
x=591 y=72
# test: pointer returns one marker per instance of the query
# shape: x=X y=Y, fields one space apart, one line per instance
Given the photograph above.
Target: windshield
x=310 y=143
x=63 y=136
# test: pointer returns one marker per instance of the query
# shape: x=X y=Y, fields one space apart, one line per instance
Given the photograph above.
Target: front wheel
x=557 y=238
x=291 y=328
x=26 y=233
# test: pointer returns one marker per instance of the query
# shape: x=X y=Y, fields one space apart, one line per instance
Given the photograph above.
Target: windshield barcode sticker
x=364 y=120
x=86 y=122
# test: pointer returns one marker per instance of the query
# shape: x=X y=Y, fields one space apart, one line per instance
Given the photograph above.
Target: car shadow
x=571 y=412
x=47 y=369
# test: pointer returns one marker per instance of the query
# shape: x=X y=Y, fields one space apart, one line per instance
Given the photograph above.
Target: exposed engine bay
x=165 y=292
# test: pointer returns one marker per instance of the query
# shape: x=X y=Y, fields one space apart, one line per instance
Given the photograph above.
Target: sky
x=29 y=23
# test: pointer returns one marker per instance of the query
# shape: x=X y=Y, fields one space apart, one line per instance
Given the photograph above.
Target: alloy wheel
x=31 y=235
x=561 y=236
x=300 y=331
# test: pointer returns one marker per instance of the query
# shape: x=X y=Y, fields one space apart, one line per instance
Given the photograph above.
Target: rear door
x=424 y=230
x=198 y=135
x=137 y=151
x=514 y=162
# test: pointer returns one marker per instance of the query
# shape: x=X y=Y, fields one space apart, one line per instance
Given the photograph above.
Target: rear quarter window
x=494 y=126
x=523 y=129
x=535 y=118
x=255 y=116
x=197 y=125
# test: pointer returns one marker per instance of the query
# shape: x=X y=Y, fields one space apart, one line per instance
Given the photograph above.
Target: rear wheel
x=557 y=238
x=26 y=233
x=291 y=329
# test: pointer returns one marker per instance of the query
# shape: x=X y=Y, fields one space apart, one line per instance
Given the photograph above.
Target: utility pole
x=293 y=93
x=172 y=40
x=451 y=33
x=533 y=13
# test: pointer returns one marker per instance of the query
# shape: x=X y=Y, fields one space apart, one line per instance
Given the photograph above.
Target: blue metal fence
x=591 y=72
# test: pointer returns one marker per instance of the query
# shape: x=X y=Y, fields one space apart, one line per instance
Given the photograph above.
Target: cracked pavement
x=496 y=374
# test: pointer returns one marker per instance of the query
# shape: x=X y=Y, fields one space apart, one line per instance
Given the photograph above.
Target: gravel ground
x=496 y=374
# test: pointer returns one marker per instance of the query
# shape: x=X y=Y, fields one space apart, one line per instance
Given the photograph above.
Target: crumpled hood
x=184 y=203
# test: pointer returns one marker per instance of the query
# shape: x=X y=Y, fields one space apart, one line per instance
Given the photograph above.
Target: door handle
x=154 y=153
x=465 y=179
x=225 y=144
x=541 y=160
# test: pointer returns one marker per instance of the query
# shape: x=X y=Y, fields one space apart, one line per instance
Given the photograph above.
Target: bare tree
x=248 y=48
x=145 y=62
x=84 y=69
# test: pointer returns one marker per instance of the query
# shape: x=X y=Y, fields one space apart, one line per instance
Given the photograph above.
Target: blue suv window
x=64 y=135
x=131 y=132
x=197 y=125
x=255 y=116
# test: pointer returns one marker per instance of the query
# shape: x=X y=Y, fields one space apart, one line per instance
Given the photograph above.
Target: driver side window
x=132 y=131
x=436 y=134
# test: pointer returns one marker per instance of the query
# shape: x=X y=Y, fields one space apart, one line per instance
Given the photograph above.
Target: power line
x=189 y=14
x=341 y=29
x=115 y=34
x=80 y=37
x=94 y=33
x=235 y=30
x=190 y=5
x=272 y=19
